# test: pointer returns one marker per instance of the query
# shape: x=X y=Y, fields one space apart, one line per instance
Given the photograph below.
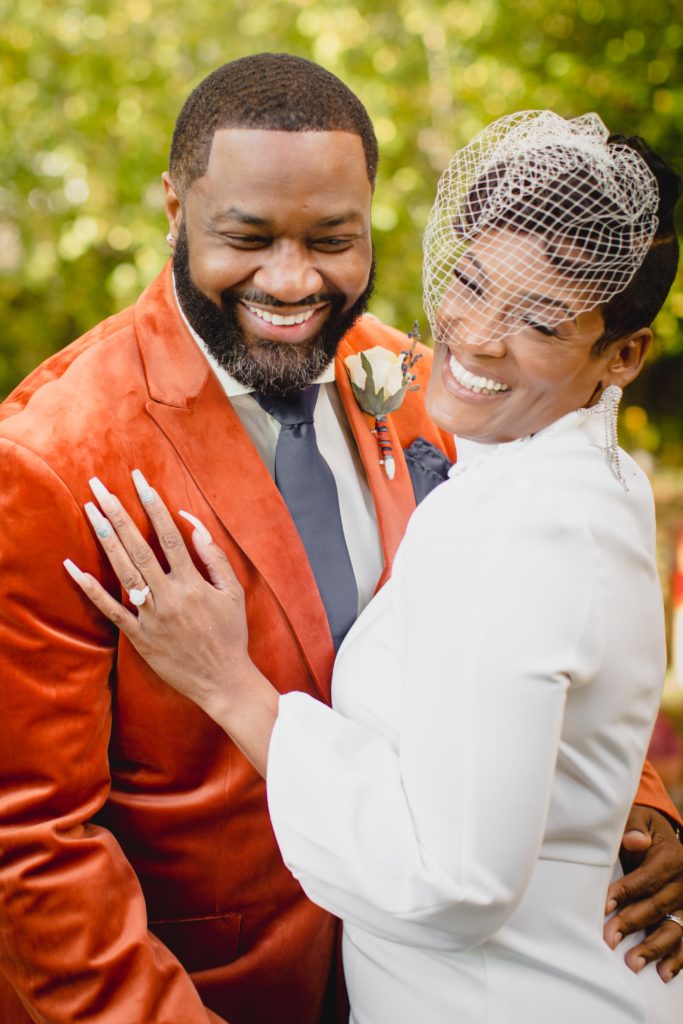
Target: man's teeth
x=472 y=383
x=281 y=321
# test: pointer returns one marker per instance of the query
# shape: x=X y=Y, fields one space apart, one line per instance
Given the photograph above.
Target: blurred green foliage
x=91 y=90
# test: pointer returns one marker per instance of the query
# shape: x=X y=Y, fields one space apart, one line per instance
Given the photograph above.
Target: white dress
x=462 y=807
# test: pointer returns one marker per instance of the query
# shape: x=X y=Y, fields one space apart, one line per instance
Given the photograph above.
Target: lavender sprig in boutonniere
x=380 y=379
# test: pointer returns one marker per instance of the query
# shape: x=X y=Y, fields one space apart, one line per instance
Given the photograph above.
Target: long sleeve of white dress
x=426 y=829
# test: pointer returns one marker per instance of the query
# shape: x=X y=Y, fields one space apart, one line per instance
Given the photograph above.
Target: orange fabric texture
x=139 y=880
x=651 y=793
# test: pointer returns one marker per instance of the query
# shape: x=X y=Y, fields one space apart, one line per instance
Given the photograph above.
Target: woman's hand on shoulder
x=192 y=632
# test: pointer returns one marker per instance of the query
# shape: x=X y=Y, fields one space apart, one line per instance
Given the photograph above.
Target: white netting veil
x=579 y=218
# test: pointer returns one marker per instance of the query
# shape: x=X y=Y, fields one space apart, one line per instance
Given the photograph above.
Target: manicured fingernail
x=100 y=524
x=611 y=905
x=640 y=963
x=106 y=499
x=203 y=532
x=616 y=939
x=146 y=493
x=74 y=572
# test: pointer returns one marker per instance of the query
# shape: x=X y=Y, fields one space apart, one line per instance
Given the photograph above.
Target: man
x=140 y=878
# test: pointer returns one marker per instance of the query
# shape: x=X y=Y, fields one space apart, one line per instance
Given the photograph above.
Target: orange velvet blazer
x=140 y=882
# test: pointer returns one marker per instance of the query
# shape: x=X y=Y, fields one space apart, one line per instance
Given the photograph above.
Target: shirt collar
x=233 y=388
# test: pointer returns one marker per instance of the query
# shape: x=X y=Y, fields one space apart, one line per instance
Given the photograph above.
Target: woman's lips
x=475 y=386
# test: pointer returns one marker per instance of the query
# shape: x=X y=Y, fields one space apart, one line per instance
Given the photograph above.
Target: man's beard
x=274 y=368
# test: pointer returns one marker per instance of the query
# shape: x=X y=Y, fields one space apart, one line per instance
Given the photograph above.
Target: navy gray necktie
x=307 y=485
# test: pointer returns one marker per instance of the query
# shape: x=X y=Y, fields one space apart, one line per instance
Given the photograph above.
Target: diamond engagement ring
x=138 y=598
x=675 y=918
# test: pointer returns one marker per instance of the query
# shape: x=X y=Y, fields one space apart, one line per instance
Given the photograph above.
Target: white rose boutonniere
x=380 y=379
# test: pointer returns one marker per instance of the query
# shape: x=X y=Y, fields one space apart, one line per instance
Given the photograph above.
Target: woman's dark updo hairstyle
x=578 y=251
x=644 y=296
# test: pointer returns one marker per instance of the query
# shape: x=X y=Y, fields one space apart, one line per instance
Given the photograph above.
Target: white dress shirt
x=338 y=448
x=462 y=807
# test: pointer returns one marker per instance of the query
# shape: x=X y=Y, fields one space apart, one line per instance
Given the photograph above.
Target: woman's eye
x=543 y=329
x=467 y=282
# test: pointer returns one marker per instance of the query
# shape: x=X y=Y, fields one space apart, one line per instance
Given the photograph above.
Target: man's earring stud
x=170 y=238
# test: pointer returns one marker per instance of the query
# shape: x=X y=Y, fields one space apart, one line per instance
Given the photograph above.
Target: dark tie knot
x=293 y=409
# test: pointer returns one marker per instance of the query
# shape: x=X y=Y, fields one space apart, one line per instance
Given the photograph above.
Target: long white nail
x=198 y=525
x=106 y=498
x=100 y=524
x=74 y=572
x=146 y=493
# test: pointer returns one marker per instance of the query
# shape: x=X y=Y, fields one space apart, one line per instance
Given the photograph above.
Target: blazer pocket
x=201 y=943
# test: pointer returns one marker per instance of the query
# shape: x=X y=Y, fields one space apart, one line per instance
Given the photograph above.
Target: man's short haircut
x=272 y=91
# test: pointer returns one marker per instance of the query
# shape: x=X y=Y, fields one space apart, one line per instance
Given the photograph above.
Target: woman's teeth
x=480 y=385
x=281 y=321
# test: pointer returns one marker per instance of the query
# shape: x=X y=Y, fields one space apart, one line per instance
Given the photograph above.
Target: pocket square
x=427 y=465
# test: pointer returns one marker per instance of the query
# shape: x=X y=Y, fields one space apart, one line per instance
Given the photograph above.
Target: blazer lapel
x=190 y=407
x=394 y=499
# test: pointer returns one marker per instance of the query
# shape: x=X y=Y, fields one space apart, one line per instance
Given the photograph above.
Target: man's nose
x=289 y=274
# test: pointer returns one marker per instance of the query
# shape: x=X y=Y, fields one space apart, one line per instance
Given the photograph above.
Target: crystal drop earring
x=609 y=407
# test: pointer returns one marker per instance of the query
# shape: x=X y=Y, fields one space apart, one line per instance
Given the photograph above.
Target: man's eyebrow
x=342 y=218
x=243 y=217
x=240 y=215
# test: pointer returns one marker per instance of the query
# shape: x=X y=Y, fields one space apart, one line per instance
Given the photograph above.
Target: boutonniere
x=380 y=379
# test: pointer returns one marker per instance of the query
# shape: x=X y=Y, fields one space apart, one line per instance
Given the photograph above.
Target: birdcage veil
x=585 y=209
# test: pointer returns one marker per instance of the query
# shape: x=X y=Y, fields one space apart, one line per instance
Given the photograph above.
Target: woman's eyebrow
x=533 y=298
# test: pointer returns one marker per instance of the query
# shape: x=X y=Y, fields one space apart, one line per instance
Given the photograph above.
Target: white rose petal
x=380 y=359
x=386 y=370
x=356 y=371
x=394 y=379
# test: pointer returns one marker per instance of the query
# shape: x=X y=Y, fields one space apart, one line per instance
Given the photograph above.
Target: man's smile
x=295 y=325
x=279 y=319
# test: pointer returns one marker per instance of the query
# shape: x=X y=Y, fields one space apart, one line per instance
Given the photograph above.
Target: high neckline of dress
x=470 y=451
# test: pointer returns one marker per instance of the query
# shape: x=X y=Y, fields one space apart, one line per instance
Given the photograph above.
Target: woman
x=493 y=704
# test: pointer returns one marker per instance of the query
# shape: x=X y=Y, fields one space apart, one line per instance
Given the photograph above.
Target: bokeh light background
x=91 y=90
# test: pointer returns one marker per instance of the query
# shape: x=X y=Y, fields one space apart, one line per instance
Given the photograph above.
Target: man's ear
x=626 y=358
x=172 y=205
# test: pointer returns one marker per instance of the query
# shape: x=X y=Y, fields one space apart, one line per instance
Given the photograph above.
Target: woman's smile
x=474 y=384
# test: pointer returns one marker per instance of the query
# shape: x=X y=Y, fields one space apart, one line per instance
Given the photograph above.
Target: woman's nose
x=483 y=331
x=481 y=328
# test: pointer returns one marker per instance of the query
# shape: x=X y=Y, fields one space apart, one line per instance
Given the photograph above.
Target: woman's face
x=492 y=387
